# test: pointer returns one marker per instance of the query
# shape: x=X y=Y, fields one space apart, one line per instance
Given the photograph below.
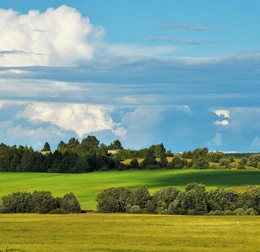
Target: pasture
x=87 y=186
x=125 y=232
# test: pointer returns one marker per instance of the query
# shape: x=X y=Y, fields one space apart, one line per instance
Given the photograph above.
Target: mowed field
x=125 y=232
x=87 y=186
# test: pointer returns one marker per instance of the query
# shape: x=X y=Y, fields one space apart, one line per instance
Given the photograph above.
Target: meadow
x=125 y=232
x=88 y=185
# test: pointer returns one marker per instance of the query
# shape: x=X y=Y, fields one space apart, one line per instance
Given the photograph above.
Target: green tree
x=46 y=147
x=200 y=163
x=18 y=202
x=139 y=197
x=113 y=200
x=200 y=153
x=70 y=203
x=224 y=162
x=215 y=156
x=134 y=163
x=222 y=200
x=162 y=199
x=116 y=145
x=43 y=201
x=191 y=202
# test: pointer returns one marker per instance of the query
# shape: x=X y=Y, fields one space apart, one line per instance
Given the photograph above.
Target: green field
x=124 y=232
x=87 y=186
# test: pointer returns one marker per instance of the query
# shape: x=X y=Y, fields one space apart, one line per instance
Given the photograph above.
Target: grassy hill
x=87 y=186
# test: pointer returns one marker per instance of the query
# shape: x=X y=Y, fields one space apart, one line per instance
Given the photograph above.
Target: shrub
x=139 y=197
x=240 y=211
x=43 y=201
x=161 y=200
x=251 y=211
x=113 y=200
x=200 y=163
x=217 y=212
x=70 y=203
x=18 y=202
x=135 y=209
x=222 y=200
x=229 y=212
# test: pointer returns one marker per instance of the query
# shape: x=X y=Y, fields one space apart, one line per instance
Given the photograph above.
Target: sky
x=182 y=73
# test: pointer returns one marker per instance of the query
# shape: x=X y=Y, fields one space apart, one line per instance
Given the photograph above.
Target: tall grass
x=135 y=233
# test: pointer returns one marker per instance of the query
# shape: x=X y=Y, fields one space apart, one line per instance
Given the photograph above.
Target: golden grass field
x=125 y=232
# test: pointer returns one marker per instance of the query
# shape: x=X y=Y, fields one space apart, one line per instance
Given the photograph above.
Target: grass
x=87 y=186
x=124 y=232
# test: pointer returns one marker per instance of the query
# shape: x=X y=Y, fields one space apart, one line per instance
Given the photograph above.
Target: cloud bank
x=56 y=37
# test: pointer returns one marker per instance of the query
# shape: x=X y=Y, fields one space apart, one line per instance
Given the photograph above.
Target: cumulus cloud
x=80 y=118
x=56 y=37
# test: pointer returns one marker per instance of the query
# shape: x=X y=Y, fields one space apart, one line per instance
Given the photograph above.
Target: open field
x=87 y=186
x=124 y=232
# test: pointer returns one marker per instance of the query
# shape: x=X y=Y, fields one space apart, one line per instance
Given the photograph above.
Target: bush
x=135 y=209
x=251 y=211
x=222 y=200
x=59 y=211
x=38 y=202
x=161 y=200
x=113 y=200
x=229 y=212
x=240 y=211
x=43 y=202
x=18 y=202
x=139 y=197
x=217 y=212
x=200 y=163
x=70 y=203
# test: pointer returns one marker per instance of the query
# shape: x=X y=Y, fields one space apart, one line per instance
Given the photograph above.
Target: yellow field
x=124 y=232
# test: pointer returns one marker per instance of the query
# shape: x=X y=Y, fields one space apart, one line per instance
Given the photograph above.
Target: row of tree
x=39 y=202
x=195 y=200
x=91 y=155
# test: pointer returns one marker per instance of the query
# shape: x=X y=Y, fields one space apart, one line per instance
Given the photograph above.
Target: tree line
x=91 y=155
x=195 y=200
x=39 y=202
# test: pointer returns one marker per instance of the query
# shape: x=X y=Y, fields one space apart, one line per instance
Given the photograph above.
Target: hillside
x=87 y=186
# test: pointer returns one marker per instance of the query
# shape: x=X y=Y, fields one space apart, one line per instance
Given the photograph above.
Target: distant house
x=112 y=152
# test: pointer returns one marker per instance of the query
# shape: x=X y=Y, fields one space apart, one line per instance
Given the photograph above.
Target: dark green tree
x=116 y=145
x=139 y=197
x=43 y=201
x=134 y=163
x=70 y=203
x=18 y=202
x=113 y=200
x=46 y=147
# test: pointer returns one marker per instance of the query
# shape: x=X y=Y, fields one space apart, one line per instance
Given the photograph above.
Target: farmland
x=87 y=186
x=124 y=232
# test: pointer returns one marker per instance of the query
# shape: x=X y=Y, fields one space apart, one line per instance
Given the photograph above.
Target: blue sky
x=185 y=73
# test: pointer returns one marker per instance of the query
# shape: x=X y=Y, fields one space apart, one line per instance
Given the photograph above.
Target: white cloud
x=37 y=88
x=223 y=123
x=222 y=112
x=80 y=118
x=56 y=37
